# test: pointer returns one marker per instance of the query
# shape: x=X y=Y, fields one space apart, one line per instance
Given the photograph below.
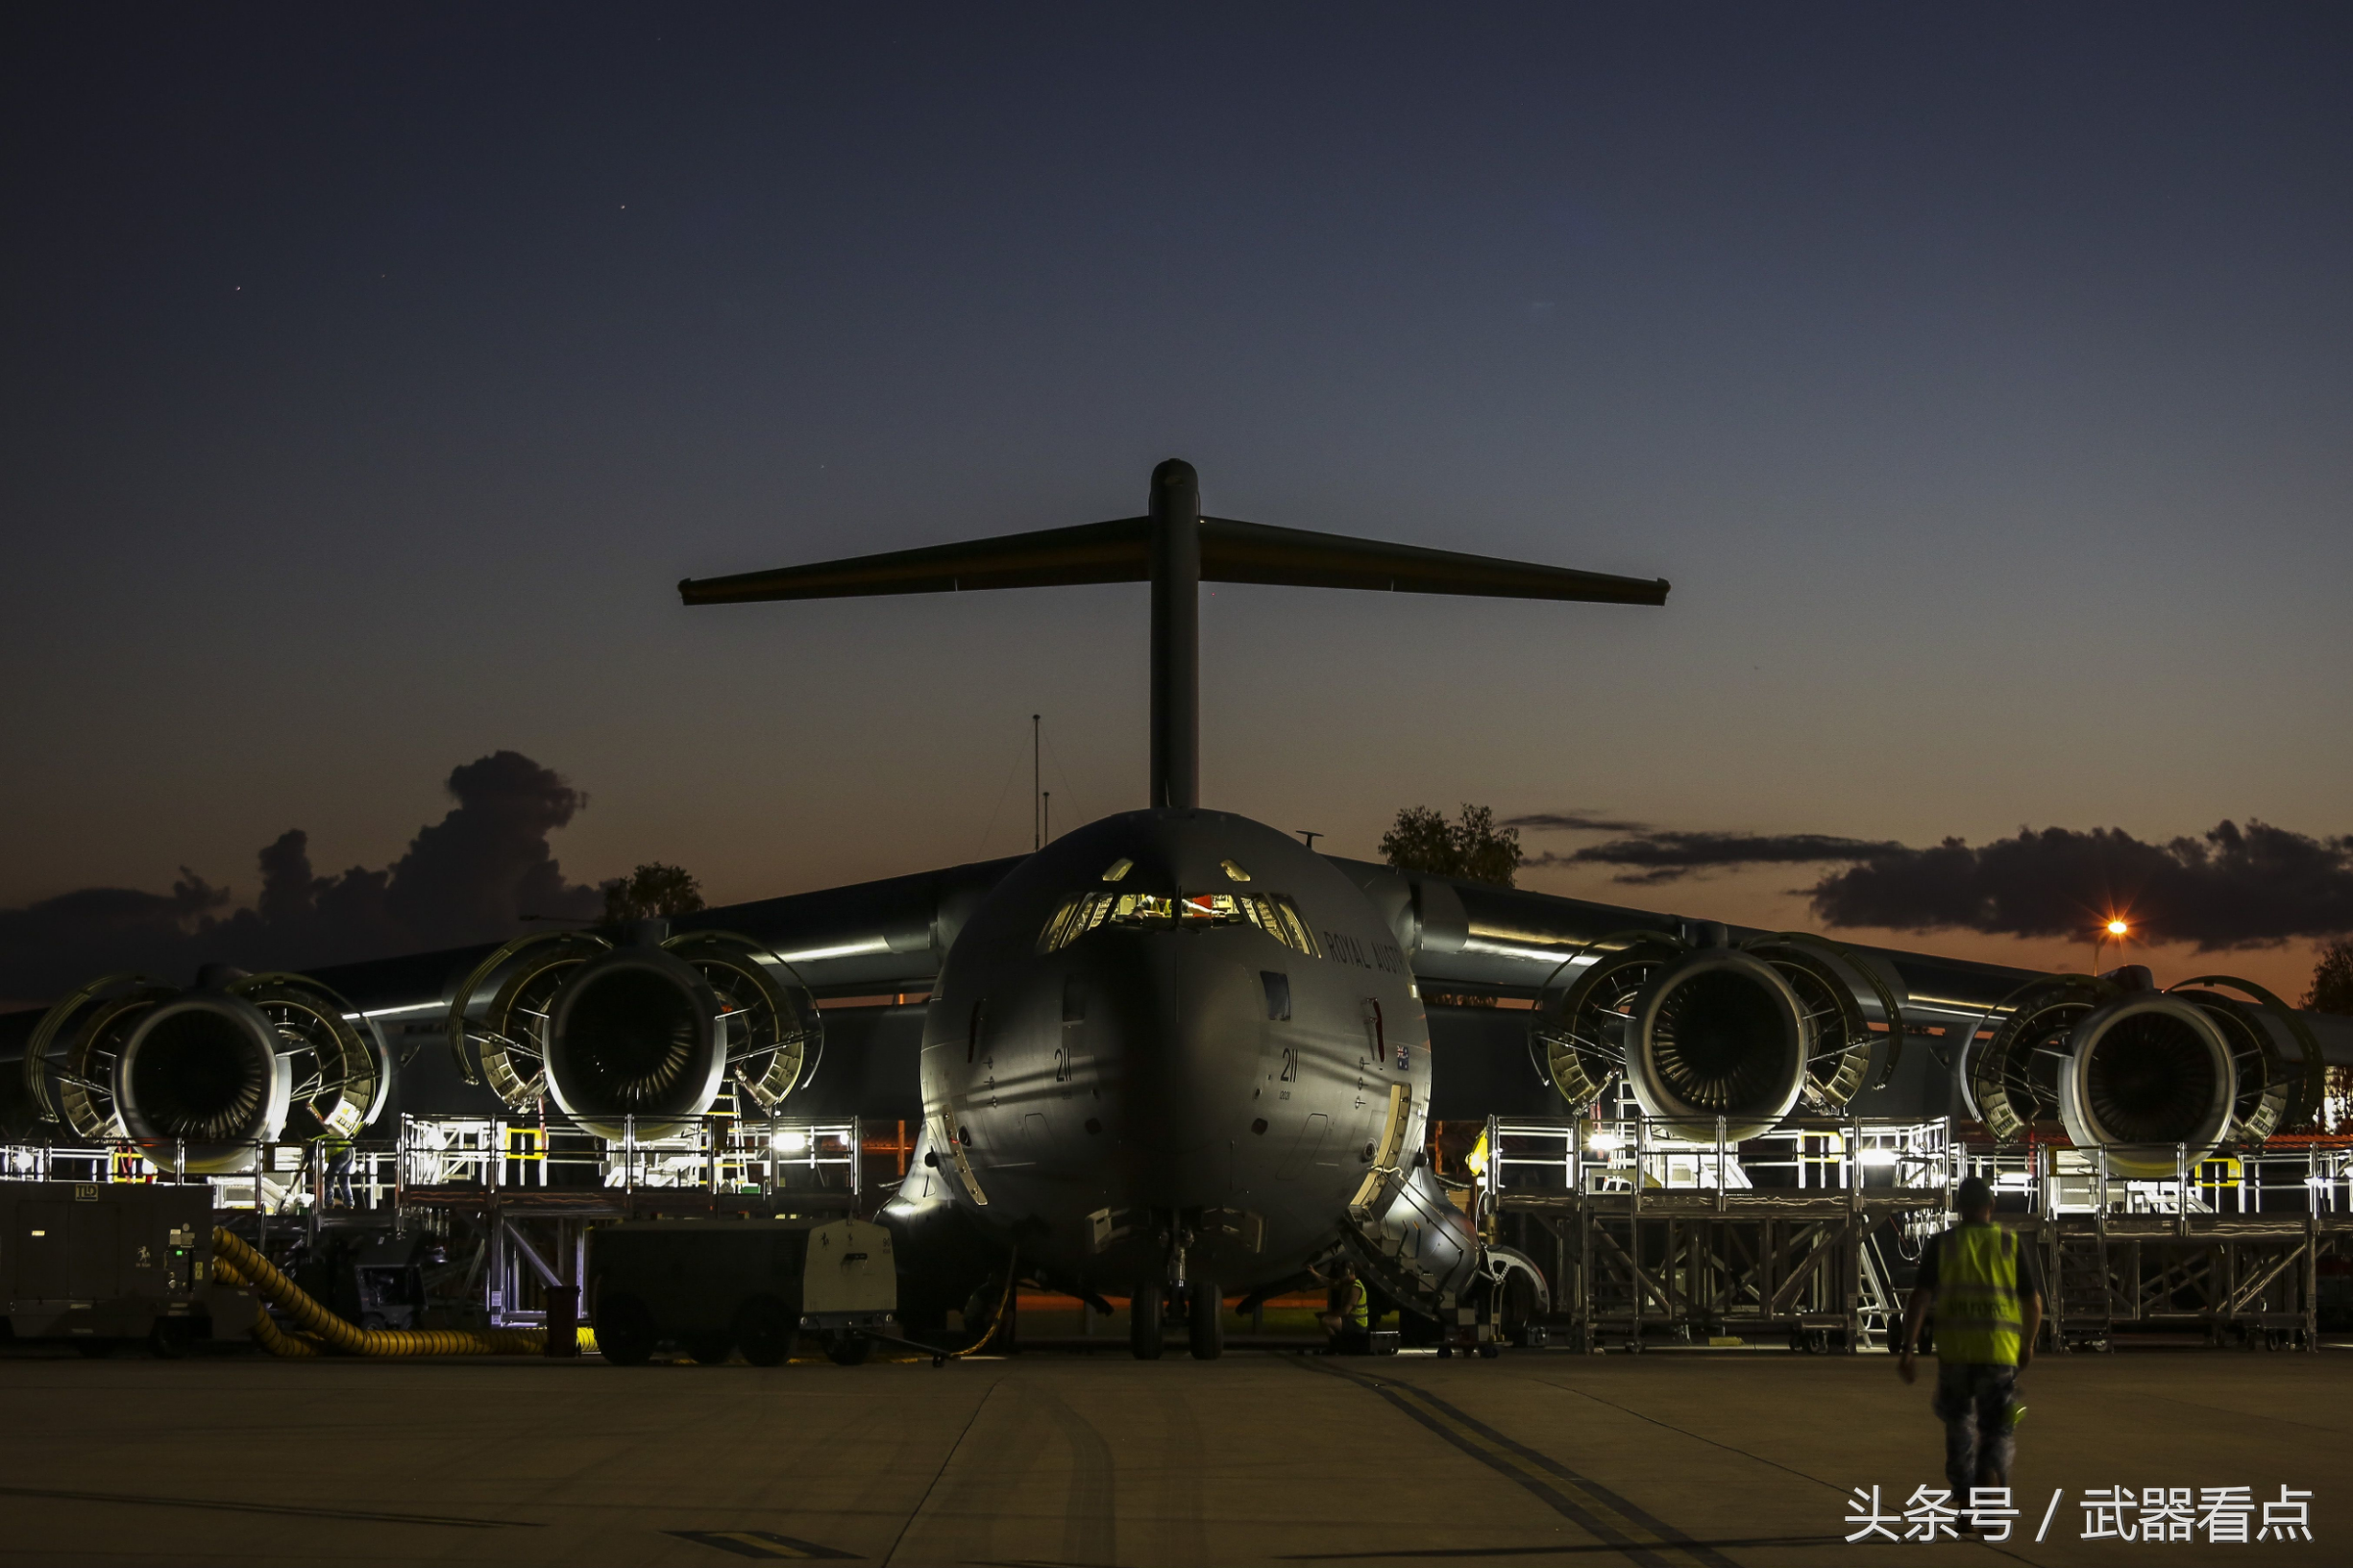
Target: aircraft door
x=1387 y=1150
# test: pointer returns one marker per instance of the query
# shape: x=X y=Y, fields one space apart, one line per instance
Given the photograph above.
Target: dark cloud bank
x=464 y=879
x=2233 y=887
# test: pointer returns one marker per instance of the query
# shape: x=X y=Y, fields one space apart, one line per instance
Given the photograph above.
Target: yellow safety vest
x=1359 y=1306
x=1977 y=1317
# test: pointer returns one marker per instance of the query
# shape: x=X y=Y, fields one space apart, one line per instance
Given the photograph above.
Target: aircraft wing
x=863 y=939
x=1513 y=943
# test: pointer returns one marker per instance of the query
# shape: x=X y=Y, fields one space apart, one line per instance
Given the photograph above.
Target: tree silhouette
x=654 y=891
x=2332 y=980
x=1472 y=847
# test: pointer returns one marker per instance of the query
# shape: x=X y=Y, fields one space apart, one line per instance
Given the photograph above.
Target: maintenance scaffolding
x=1652 y=1231
x=512 y=1197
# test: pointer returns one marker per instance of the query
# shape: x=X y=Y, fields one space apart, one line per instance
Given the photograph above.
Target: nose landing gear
x=1143 y=1322
x=1205 y=1320
x=1197 y=1301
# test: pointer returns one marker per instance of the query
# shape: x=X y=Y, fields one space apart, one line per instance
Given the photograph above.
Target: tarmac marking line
x=945 y=1460
x=760 y=1543
x=1586 y=1503
x=295 y=1509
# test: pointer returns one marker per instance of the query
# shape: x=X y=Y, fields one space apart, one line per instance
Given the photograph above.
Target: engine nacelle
x=1743 y=1033
x=2139 y=1072
x=198 y=1077
x=201 y=1070
x=2146 y=1078
x=635 y=1045
x=634 y=1042
x=1717 y=1033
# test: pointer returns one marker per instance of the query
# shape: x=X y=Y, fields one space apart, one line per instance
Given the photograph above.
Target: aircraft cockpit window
x=1272 y=912
x=1119 y=868
x=1278 y=917
x=1079 y=914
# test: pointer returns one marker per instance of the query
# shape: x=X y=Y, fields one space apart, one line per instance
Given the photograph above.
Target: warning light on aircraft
x=2117 y=928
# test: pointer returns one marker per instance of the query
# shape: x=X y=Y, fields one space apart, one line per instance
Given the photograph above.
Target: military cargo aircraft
x=1175 y=1055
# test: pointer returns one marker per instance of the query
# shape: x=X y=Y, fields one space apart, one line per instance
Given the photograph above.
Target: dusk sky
x=1981 y=377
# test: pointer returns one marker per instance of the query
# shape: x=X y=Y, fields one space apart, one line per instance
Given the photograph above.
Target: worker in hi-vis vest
x=1348 y=1316
x=1978 y=1282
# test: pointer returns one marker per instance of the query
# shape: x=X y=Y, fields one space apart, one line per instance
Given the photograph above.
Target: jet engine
x=2149 y=1076
x=1702 y=1030
x=197 y=1077
x=634 y=1041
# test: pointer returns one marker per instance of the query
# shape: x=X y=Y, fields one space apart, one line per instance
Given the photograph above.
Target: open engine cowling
x=197 y=1077
x=1706 y=1031
x=2143 y=1074
x=635 y=1040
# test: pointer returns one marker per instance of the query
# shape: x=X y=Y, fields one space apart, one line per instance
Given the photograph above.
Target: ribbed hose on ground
x=240 y=1264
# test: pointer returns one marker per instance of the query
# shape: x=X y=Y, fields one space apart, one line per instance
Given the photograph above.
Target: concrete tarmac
x=1685 y=1460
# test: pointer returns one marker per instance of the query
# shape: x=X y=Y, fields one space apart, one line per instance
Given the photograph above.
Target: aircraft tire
x=1144 y=1335
x=1205 y=1320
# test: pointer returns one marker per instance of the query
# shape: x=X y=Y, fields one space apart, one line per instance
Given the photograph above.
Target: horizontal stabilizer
x=1052 y=557
x=1236 y=552
x=1120 y=552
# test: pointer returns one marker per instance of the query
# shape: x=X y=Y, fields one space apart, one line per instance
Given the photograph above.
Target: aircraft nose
x=1178 y=1030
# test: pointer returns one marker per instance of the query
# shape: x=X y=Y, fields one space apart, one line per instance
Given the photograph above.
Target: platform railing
x=426 y=1155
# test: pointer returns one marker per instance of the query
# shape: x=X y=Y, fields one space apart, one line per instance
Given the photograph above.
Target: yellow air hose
x=237 y=1263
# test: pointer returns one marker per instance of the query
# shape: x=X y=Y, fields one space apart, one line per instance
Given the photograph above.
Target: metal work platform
x=2233 y=1249
x=1658 y=1232
x=506 y=1203
x=1655 y=1233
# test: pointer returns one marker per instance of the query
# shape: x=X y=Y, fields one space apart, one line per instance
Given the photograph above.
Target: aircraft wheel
x=1144 y=1323
x=764 y=1331
x=1205 y=1320
x=624 y=1331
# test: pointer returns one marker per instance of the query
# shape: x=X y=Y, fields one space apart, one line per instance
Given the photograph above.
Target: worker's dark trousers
x=1974 y=1401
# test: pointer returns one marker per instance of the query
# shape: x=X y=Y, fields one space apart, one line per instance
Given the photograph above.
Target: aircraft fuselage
x=1172 y=1044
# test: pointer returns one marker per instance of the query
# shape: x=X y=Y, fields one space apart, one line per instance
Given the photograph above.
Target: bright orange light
x=2117 y=928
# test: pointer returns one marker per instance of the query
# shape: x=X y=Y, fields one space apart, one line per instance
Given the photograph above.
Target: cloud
x=464 y=879
x=1665 y=854
x=2252 y=887
x=1574 y=821
x=2255 y=887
